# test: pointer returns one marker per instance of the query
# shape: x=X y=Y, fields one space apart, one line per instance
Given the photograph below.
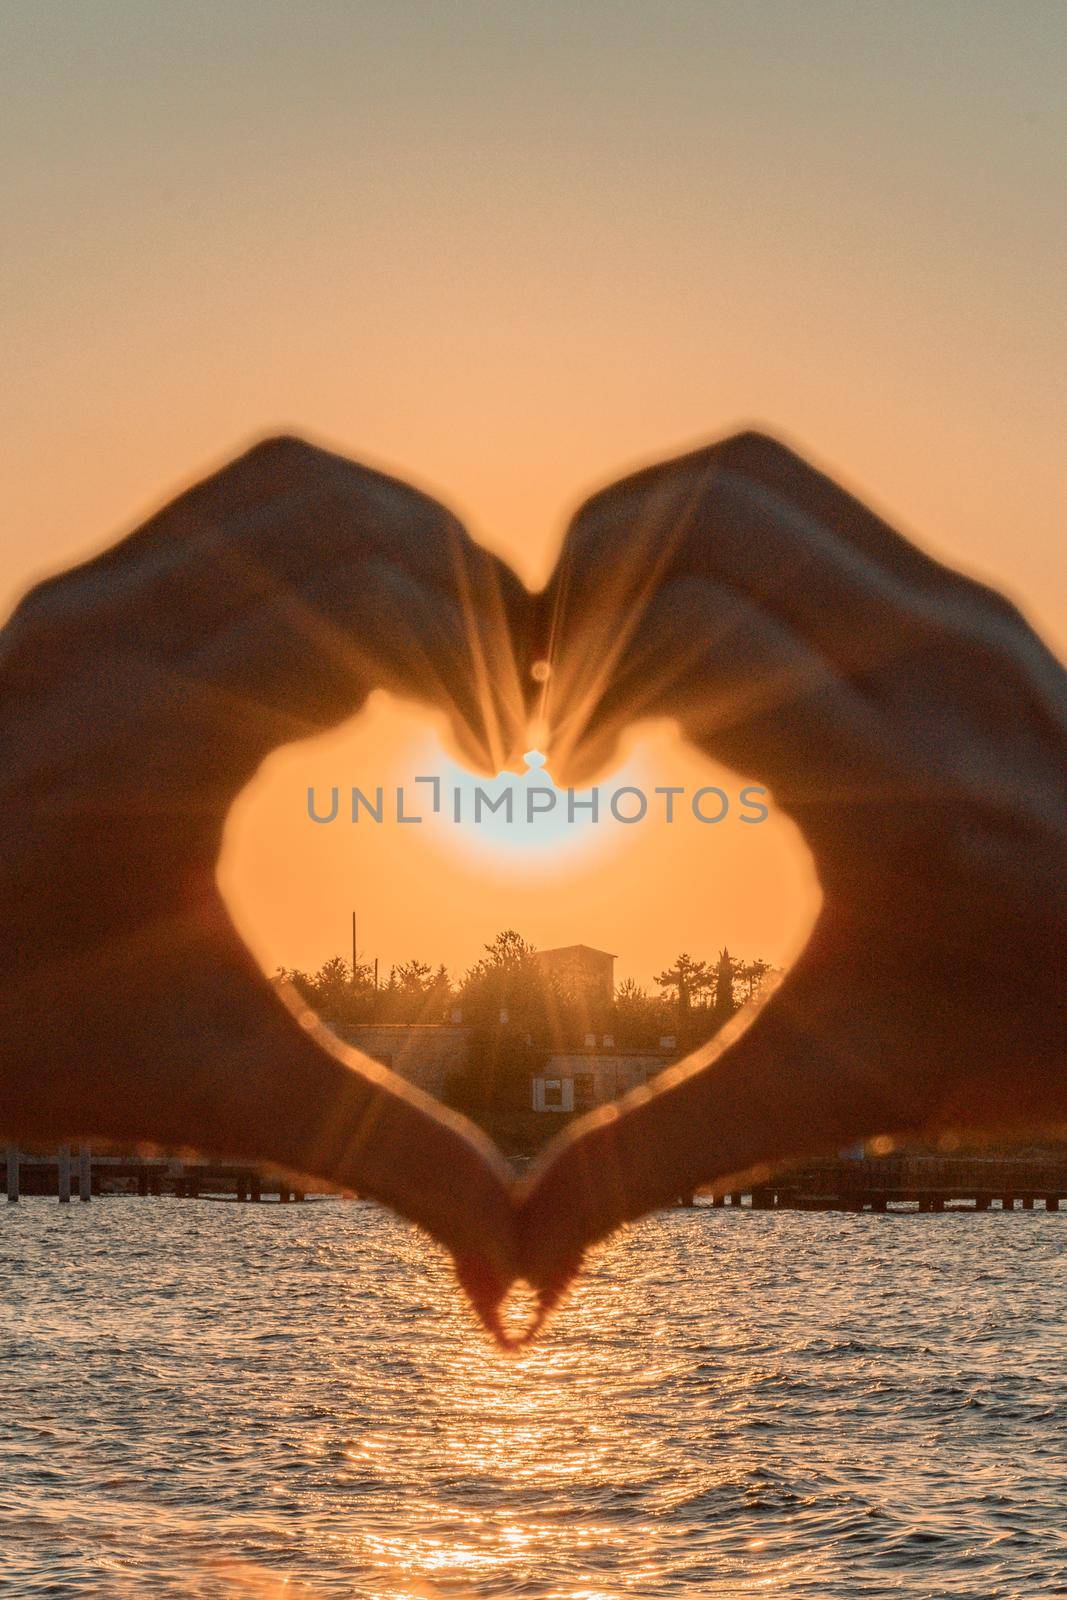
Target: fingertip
x=485 y=1288
x=514 y=1311
x=557 y=1285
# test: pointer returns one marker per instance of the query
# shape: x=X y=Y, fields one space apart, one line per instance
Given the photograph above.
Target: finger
x=881 y=1029
x=793 y=481
x=792 y=1078
x=748 y=518
x=191 y=1048
x=258 y=517
x=328 y=566
x=808 y=562
x=700 y=517
x=742 y=686
x=964 y=605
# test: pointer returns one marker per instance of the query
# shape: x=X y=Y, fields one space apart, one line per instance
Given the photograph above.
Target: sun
x=521 y=820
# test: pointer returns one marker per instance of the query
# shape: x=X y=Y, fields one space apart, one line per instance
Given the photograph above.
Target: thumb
x=208 y=1055
x=784 y=1080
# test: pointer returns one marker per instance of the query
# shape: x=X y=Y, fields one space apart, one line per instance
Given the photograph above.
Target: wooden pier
x=927 y=1182
x=50 y=1173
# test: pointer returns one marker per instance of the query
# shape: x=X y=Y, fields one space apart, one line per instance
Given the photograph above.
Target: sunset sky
x=509 y=251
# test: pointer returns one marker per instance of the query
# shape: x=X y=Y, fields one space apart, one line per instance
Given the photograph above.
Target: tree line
x=508 y=988
x=518 y=1014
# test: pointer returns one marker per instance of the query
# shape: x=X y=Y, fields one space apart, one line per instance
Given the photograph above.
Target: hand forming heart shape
x=905 y=716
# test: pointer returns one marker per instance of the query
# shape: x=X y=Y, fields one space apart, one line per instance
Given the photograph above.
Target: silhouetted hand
x=906 y=717
x=914 y=726
x=138 y=695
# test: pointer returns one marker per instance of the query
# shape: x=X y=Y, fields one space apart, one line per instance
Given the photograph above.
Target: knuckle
x=43 y=609
x=280 y=446
x=276 y=461
x=752 y=452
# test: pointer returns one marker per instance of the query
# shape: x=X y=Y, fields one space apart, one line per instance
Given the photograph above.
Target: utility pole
x=353 y=947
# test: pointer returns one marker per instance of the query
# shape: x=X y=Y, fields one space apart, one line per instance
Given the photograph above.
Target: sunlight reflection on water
x=207 y=1400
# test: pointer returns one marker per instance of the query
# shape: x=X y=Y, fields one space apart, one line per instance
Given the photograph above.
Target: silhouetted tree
x=725 y=1002
x=752 y=974
x=508 y=949
x=502 y=982
x=688 y=979
x=640 y=1019
x=341 y=997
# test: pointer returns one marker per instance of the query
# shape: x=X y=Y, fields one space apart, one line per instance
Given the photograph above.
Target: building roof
x=568 y=949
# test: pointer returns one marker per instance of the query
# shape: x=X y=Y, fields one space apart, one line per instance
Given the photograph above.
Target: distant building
x=428 y=1054
x=425 y=1053
x=581 y=972
x=582 y=1080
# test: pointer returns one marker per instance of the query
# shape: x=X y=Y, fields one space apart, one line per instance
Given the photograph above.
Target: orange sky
x=510 y=251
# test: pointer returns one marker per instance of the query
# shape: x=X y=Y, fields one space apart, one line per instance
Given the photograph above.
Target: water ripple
x=205 y=1401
